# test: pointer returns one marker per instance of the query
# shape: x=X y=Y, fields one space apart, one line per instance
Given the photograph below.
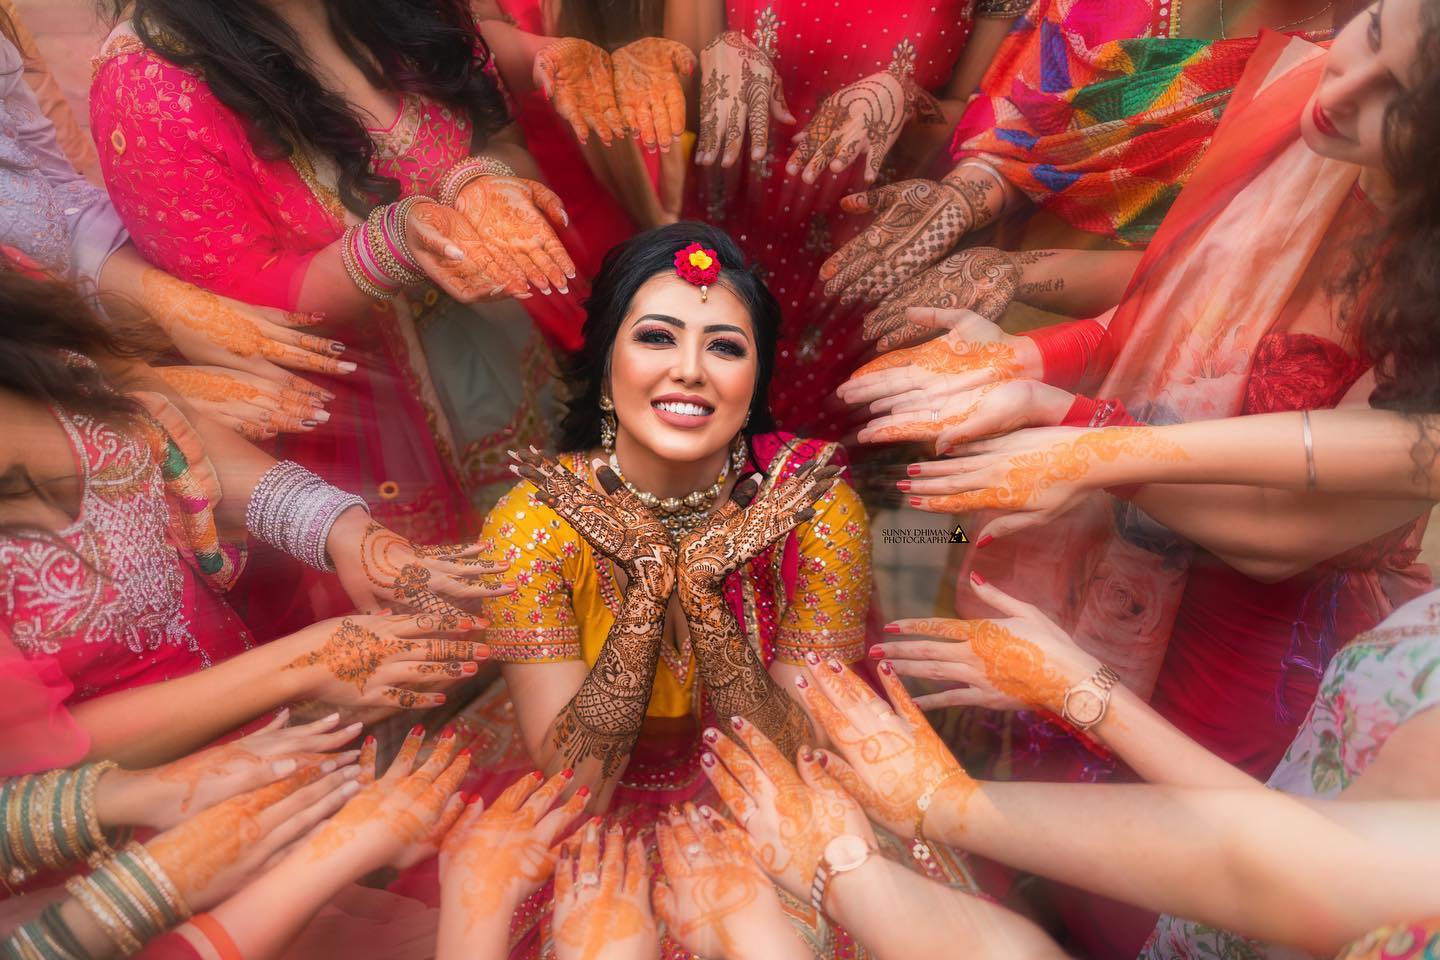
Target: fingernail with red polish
x=824 y=759
x=370 y=741
x=710 y=735
x=903 y=486
x=983 y=542
x=448 y=732
x=834 y=665
x=439 y=698
x=737 y=722
x=915 y=501
x=568 y=772
x=892 y=628
x=877 y=652
x=417 y=730
x=463 y=753
x=812 y=658
x=583 y=792
x=707 y=758
x=885 y=668
x=976 y=578
x=913 y=470
x=470 y=669
x=801 y=683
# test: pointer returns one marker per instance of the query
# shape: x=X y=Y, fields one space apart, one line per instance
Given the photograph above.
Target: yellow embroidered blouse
x=567 y=597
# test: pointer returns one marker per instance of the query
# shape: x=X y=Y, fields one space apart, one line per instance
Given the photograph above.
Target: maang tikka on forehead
x=694 y=264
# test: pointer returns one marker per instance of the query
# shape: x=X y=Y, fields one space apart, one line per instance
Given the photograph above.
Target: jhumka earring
x=607 y=425
x=737 y=454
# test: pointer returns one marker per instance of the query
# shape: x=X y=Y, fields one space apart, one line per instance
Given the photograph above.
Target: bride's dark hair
x=255 y=64
x=626 y=268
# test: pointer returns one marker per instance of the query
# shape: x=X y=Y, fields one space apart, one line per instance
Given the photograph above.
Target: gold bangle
x=146 y=862
x=447 y=190
x=131 y=886
x=352 y=268
x=42 y=828
x=381 y=253
x=70 y=818
x=920 y=847
x=100 y=846
x=20 y=865
x=115 y=929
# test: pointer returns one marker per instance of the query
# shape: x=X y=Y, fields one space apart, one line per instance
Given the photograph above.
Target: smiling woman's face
x=1369 y=63
x=682 y=372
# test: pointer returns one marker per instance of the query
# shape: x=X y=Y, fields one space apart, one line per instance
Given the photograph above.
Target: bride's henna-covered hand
x=971 y=353
x=602 y=903
x=494 y=857
x=714 y=898
x=615 y=522
x=866 y=115
x=888 y=758
x=211 y=854
x=980 y=279
x=162 y=797
x=252 y=406
x=455 y=254
x=577 y=79
x=650 y=90
x=376 y=661
x=733 y=674
x=602 y=721
x=1024 y=661
x=992 y=410
x=789 y=815
x=211 y=329
x=513 y=218
x=379 y=568
x=1039 y=477
x=917 y=224
x=739 y=91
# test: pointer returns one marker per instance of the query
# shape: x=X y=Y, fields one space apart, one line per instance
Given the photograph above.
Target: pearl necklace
x=680 y=516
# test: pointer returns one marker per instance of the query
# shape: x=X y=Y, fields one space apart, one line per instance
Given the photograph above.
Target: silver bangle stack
x=293 y=510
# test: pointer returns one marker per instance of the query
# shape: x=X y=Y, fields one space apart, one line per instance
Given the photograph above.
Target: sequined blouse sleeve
x=187 y=183
x=536 y=623
x=828 y=609
x=48 y=211
x=40 y=732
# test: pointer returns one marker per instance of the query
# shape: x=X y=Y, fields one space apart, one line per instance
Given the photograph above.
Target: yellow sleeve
x=536 y=623
x=832 y=591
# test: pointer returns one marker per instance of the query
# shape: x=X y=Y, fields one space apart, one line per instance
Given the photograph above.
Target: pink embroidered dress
x=110 y=602
x=422 y=444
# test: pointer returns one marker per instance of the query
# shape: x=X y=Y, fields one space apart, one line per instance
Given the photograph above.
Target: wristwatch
x=842 y=854
x=1087 y=701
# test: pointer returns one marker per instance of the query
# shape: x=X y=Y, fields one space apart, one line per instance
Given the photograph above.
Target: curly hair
x=256 y=65
x=625 y=269
x=1398 y=269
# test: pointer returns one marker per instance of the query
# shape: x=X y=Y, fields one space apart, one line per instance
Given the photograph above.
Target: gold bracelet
x=920 y=847
x=352 y=268
x=99 y=845
x=447 y=190
x=146 y=862
x=114 y=927
x=20 y=865
x=131 y=886
x=70 y=815
x=375 y=241
x=42 y=825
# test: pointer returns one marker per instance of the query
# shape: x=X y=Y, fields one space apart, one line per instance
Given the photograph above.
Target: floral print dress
x=1378 y=682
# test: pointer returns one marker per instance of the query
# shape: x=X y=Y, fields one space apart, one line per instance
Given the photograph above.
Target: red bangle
x=1081 y=411
x=1069 y=351
x=218 y=936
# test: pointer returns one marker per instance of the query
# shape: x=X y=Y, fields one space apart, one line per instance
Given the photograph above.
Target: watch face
x=1084 y=707
x=846 y=852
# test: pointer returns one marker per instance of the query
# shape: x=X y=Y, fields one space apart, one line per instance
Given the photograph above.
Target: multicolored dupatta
x=1099 y=116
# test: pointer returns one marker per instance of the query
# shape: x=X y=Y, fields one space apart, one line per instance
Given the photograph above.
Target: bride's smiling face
x=683 y=372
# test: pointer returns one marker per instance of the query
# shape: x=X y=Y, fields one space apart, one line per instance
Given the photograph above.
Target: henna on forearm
x=734 y=677
x=602 y=721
